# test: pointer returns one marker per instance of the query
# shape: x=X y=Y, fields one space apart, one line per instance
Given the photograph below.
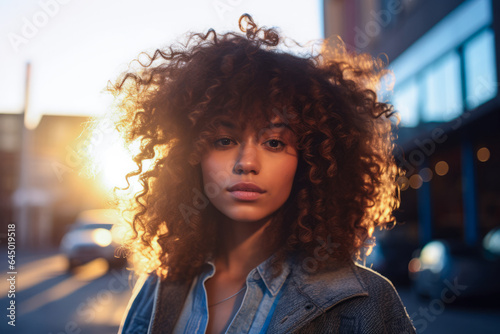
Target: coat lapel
x=171 y=297
x=308 y=295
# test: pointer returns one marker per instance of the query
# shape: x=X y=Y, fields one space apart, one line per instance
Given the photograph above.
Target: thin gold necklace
x=243 y=288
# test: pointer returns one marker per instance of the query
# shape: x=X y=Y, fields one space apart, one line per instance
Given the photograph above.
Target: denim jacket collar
x=275 y=284
x=306 y=295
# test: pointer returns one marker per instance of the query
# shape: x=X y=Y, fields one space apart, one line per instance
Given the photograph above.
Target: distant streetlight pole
x=22 y=194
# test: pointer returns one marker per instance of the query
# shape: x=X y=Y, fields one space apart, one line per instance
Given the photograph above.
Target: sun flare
x=110 y=160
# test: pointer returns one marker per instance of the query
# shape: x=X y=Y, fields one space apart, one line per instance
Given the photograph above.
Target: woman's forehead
x=252 y=123
x=257 y=113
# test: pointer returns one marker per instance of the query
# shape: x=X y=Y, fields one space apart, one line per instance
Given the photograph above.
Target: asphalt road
x=48 y=300
x=435 y=316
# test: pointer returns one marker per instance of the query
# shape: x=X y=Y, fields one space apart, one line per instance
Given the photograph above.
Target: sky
x=76 y=46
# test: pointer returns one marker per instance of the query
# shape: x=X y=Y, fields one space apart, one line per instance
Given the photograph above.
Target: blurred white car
x=91 y=237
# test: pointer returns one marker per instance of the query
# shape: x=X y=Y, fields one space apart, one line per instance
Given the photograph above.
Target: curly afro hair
x=344 y=185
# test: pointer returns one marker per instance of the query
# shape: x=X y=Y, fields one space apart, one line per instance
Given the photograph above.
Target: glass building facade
x=444 y=56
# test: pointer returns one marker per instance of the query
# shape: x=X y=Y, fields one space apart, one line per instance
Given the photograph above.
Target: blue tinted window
x=480 y=69
x=405 y=102
x=443 y=96
x=449 y=33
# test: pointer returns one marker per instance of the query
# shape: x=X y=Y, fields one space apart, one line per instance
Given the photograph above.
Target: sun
x=110 y=160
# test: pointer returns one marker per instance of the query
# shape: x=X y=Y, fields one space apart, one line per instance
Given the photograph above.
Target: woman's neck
x=243 y=246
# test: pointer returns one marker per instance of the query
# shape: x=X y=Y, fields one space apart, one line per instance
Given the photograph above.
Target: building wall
x=10 y=136
x=461 y=203
x=56 y=187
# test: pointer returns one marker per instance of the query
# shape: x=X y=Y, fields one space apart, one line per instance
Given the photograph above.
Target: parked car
x=91 y=237
x=444 y=263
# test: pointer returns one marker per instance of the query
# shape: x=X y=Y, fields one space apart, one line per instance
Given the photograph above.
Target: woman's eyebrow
x=281 y=128
x=278 y=125
x=228 y=124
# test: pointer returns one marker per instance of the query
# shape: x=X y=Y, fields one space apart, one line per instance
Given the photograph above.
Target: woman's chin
x=246 y=215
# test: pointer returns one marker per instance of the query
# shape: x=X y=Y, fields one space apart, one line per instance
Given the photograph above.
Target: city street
x=50 y=300
x=93 y=300
x=430 y=318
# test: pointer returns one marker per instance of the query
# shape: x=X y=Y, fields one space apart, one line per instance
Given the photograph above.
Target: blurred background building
x=54 y=190
x=10 y=148
x=444 y=56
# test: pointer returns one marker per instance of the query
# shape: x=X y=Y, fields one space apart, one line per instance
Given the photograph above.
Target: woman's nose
x=247 y=161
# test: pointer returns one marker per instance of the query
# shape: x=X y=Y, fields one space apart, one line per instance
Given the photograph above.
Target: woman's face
x=248 y=174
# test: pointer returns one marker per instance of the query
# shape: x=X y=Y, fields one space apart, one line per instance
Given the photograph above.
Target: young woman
x=271 y=172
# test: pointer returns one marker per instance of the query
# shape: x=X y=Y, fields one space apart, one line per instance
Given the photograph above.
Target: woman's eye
x=223 y=142
x=275 y=144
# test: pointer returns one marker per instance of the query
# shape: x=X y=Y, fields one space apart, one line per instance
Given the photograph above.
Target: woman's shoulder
x=343 y=298
x=346 y=274
x=349 y=276
x=372 y=280
x=350 y=294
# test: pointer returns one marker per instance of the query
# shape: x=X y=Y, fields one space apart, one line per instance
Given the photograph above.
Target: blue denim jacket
x=342 y=299
x=253 y=310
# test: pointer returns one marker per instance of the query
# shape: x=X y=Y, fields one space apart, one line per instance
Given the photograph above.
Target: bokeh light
x=414 y=265
x=426 y=174
x=416 y=181
x=433 y=256
x=491 y=241
x=102 y=237
x=483 y=154
x=442 y=168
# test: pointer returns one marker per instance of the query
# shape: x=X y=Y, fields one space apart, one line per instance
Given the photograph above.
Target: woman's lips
x=245 y=195
x=246 y=191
